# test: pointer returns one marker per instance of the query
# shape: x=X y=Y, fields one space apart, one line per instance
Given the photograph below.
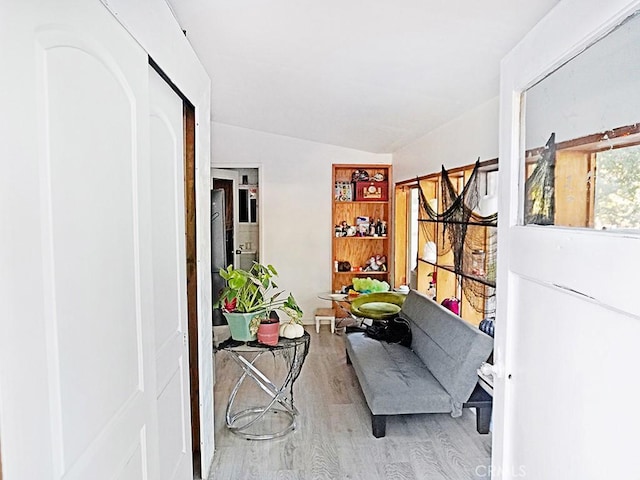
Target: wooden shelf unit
x=358 y=249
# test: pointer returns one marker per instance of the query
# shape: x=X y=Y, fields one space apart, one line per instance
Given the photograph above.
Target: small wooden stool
x=326 y=314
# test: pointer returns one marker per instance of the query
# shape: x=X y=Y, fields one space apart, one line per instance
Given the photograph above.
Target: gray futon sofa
x=438 y=374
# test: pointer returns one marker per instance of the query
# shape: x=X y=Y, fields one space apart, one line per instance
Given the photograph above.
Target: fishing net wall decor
x=540 y=187
x=467 y=231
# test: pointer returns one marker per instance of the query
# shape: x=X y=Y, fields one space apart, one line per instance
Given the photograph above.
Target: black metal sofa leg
x=379 y=425
x=483 y=419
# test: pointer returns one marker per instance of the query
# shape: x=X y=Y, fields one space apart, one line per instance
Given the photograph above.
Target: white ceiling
x=372 y=75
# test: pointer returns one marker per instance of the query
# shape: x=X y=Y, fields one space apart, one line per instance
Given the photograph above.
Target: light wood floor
x=333 y=438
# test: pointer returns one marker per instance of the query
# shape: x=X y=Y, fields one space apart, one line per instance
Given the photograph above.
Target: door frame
x=261 y=198
x=226 y=174
x=191 y=226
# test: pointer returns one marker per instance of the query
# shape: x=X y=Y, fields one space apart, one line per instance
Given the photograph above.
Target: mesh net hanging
x=466 y=231
x=540 y=187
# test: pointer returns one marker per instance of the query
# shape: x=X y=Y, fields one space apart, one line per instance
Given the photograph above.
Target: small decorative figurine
x=371 y=265
x=381 y=262
x=360 y=176
x=378 y=228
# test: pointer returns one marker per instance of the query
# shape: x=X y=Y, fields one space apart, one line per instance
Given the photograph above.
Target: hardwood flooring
x=333 y=437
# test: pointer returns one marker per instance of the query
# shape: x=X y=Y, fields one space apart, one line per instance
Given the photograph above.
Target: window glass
x=617 y=192
x=413 y=230
x=581 y=133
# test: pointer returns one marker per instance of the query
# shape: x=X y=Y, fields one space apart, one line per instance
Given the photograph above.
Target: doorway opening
x=235 y=224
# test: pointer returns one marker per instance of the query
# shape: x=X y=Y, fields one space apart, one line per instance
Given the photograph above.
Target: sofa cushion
x=393 y=378
x=451 y=348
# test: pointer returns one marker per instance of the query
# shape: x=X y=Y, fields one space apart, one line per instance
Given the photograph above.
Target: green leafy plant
x=255 y=290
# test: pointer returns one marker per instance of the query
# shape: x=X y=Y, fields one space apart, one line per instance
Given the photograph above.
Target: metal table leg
x=278 y=396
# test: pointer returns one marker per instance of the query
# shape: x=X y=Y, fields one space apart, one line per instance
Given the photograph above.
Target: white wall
x=295 y=203
x=459 y=142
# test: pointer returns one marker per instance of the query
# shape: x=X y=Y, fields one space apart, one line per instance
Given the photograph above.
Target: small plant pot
x=239 y=326
x=268 y=333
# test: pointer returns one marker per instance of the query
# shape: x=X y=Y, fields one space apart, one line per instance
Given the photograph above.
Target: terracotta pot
x=268 y=333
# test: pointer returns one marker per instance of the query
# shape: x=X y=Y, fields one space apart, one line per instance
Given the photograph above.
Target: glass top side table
x=253 y=422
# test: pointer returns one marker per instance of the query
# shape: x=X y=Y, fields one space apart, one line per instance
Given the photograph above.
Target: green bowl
x=378 y=306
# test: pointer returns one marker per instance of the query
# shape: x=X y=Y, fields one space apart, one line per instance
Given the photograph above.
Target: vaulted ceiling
x=372 y=75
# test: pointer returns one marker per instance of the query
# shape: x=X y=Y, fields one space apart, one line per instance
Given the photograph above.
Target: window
x=248 y=204
x=413 y=230
x=617 y=192
x=591 y=182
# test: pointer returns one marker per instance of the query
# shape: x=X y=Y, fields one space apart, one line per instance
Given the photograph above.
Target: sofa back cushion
x=451 y=348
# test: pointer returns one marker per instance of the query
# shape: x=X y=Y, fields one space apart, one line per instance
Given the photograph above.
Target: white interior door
x=169 y=280
x=225 y=174
x=568 y=319
x=78 y=377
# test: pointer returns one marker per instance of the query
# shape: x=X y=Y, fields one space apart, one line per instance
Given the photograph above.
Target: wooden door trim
x=189 y=132
x=192 y=276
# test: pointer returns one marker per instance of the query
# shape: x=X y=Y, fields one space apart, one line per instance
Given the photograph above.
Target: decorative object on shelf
x=452 y=304
x=378 y=177
x=344 y=267
x=376 y=263
x=360 y=176
x=431 y=291
x=371 y=191
x=251 y=294
x=364 y=227
x=478 y=262
x=346 y=230
x=344 y=192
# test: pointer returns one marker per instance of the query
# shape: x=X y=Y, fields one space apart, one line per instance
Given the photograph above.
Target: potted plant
x=253 y=294
x=267 y=328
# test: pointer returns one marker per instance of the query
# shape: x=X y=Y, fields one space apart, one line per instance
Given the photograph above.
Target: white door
x=169 y=280
x=225 y=174
x=77 y=344
x=568 y=322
